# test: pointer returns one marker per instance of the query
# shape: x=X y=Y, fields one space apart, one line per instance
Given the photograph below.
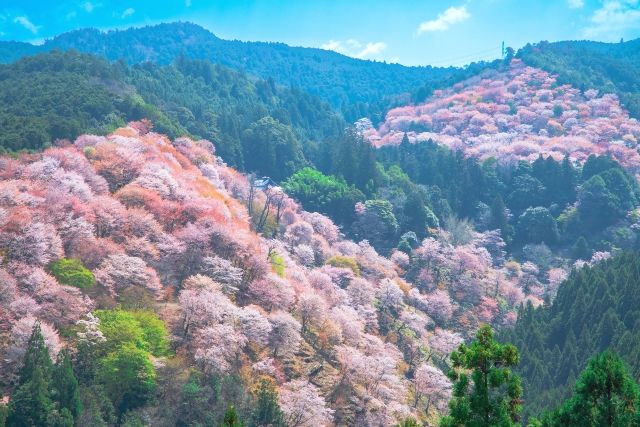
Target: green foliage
x=266 y=409
x=142 y=329
x=65 y=385
x=341 y=261
x=71 y=272
x=205 y=400
x=128 y=376
x=538 y=226
x=408 y=422
x=605 y=396
x=231 y=418
x=31 y=403
x=44 y=395
x=325 y=194
x=596 y=309
x=358 y=87
x=4 y=411
x=377 y=224
x=277 y=263
x=271 y=148
x=63 y=94
x=494 y=398
x=124 y=367
x=580 y=249
x=154 y=331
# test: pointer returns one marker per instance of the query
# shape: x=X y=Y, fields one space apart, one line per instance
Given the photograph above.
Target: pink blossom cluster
x=514 y=115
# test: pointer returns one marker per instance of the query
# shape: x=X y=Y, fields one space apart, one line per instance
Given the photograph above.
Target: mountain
x=340 y=80
x=607 y=67
x=63 y=94
x=516 y=113
x=596 y=309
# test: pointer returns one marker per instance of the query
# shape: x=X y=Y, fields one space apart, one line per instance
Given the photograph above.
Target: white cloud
x=613 y=19
x=354 y=48
x=372 y=49
x=451 y=16
x=24 y=21
x=128 y=12
x=575 y=4
x=88 y=6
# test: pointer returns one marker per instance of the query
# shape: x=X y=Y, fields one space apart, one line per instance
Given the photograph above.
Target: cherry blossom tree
x=218 y=348
x=284 y=338
x=118 y=272
x=431 y=385
x=303 y=405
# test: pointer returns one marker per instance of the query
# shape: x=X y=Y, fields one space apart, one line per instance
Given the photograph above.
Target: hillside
x=60 y=95
x=517 y=114
x=608 y=67
x=596 y=309
x=340 y=80
x=247 y=286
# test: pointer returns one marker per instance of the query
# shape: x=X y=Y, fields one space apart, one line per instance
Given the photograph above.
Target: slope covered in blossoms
x=516 y=114
x=349 y=337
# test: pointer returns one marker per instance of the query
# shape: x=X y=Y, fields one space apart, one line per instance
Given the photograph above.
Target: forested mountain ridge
x=60 y=95
x=596 y=309
x=342 y=81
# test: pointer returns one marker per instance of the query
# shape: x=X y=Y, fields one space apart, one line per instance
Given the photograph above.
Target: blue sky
x=410 y=32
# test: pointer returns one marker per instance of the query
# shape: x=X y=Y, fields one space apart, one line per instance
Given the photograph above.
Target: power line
x=466 y=56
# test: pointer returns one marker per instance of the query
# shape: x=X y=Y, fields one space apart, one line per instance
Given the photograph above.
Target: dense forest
x=62 y=94
x=344 y=82
x=596 y=309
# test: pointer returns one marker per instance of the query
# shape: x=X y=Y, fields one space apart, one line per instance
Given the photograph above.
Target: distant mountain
x=608 y=67
x=342 y=81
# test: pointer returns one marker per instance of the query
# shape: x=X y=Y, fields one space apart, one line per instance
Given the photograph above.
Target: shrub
x=71 y=272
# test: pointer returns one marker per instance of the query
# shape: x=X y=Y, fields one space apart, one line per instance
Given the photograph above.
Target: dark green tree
x=31 y=403
x=597 y=206
x=581 y=249
x=536 y=225
x=605 y=396
x=491 y=394
x=266 y=411
x=65 y=385
x=231 y=418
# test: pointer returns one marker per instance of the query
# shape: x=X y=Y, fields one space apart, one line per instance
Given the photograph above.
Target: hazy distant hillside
x=336 y=78
x=517 y=114
x=609 y=67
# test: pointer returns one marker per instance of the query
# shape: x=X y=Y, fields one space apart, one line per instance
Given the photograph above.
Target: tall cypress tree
x=31 y=402
x=65 y=385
